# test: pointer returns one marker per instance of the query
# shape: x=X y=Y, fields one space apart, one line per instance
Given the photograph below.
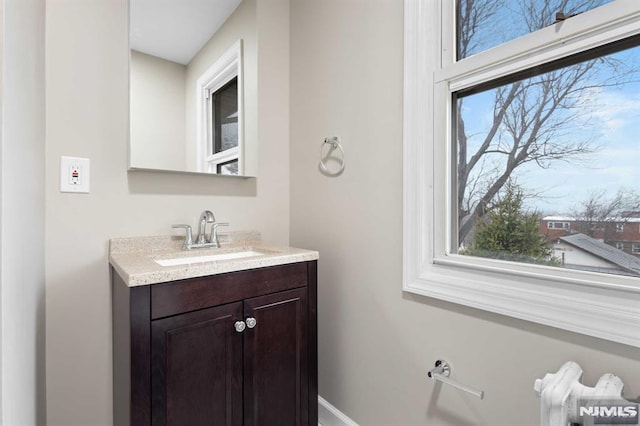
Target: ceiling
x=176 y=29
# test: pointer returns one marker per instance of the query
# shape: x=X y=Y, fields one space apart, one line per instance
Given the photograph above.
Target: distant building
x=620 y=233
x=579 y=251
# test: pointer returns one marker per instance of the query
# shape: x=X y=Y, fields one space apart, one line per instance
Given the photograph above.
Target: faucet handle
x=188 y=238
x=213 y=237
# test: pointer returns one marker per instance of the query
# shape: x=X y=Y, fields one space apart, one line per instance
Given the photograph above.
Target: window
x=220 y=115
x=635 y=248
x=558 y=225
x=484 y=24
x=620 y=246
x=480 y=131
x=222 y=110
x=541 y=123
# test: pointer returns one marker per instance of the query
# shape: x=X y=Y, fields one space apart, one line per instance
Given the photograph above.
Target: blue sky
x=614 y=127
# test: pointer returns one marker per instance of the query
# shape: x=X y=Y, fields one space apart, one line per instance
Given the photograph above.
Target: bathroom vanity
x=229 y=341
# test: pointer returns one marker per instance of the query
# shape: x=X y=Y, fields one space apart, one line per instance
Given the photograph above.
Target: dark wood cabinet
x=275 y=371
x=179 y=358
x=196 y=368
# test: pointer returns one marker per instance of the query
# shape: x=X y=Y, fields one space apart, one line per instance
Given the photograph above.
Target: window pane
x=225 y=102
x=548 y=167
x=483 y=24
x=228 y=168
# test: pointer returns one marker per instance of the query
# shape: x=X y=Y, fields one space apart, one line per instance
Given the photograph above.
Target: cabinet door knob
x=239 y=325
x=251 y=322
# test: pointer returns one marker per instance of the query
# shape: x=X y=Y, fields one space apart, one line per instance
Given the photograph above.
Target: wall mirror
x=193 y=86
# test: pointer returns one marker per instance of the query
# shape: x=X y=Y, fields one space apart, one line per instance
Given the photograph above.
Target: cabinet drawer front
x=189 y=295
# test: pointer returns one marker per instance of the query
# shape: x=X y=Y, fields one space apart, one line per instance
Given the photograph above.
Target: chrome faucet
x=202 y=240
x=205 y=217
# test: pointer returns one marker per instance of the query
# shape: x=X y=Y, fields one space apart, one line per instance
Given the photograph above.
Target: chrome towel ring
x=334 y=144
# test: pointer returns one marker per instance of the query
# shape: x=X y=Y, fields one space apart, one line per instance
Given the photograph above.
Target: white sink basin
x=208 y=258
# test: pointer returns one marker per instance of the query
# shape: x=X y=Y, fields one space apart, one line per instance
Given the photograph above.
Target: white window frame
x=635 y=248
x=227 y=67
x=620 y=246
x=619 y=227
x=584 y=302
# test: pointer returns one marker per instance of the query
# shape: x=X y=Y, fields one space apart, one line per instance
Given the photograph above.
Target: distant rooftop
x=578 y=219
x=560 y=218
x=604 y=251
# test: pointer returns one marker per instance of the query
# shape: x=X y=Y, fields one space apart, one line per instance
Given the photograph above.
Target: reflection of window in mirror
x=220 y=117
x=223 y=135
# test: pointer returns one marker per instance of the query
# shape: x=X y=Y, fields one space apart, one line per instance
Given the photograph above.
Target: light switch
x=74 y=174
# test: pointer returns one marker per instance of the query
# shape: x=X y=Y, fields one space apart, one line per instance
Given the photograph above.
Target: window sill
x=606 y=310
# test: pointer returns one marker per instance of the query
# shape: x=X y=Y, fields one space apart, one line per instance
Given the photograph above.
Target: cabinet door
x=196 y=368
x=276 y=360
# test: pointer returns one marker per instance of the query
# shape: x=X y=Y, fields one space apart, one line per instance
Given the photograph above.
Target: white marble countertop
x=134 y=259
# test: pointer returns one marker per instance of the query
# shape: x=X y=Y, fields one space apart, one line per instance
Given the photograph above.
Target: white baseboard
x=328 y=415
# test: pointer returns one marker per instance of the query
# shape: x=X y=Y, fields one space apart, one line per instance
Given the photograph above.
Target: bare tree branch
x=531 y=118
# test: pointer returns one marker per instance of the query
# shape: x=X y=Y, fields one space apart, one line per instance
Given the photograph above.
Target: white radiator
x=565 y=401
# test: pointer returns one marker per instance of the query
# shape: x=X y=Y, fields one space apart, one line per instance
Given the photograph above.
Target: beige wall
x=158 y=118
x=377 y=343
x=240 y=25
x=86 y=107
x=22 y=212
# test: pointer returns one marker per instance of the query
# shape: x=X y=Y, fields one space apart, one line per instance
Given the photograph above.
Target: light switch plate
x=74 y=174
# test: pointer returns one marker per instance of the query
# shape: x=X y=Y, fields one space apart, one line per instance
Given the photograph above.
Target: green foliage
x=509 y=233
